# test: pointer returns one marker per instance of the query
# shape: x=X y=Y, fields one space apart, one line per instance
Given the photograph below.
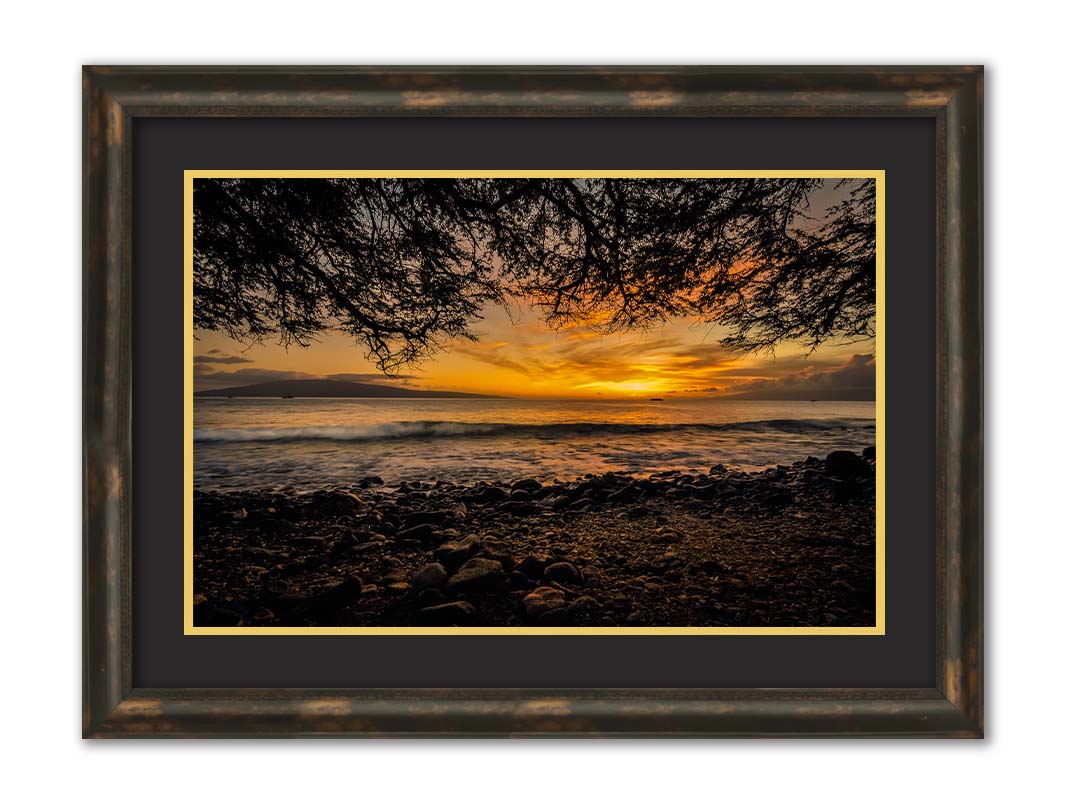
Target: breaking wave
x=430 y=429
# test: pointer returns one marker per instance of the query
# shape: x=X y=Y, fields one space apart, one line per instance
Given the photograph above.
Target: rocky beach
x=791 y=545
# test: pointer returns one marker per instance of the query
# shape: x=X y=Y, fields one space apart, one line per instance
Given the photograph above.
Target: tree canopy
x=405 y=265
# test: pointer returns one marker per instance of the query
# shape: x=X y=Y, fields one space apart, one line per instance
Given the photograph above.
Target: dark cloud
x=221 y=359
x=855 y=379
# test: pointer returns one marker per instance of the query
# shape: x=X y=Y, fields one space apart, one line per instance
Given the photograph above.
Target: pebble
x=422 y=532
x=542 y=600
x=532 y=566
x=478 y=574
x=562 y=572
x=452 y=554
x=430 y=576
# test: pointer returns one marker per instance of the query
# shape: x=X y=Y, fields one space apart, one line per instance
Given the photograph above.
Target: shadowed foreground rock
x=791 y=546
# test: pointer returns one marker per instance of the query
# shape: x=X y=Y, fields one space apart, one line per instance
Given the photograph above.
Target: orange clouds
x=516 y=354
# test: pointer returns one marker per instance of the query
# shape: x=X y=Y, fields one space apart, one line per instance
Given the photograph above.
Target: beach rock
x=562 y=572
x=375 y=544
x=421 y=533
x=337 y=502
x=455 y=613
x=532 y=566
x=591 y=578
x=585 y=611
x=518 y=508
x=666 y=535
x=453 y=554
x=370 y=480
x=419 y=518
x=477 y=575
x=868 y=453
x=728 y=489
x=526 y=485
x=519 y=580
x=498 y=551
x=430 y=597
x=430 y=576
x=846 y=464
x=626 y=494
x=590 y=486
x=542 y=600
x=490 y=494
x=844 y=490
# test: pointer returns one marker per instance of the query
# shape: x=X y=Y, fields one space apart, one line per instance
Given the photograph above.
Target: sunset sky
x=516 y=354
x=520 y=356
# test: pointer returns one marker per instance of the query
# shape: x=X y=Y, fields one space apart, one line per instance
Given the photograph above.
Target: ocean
x=302 y=444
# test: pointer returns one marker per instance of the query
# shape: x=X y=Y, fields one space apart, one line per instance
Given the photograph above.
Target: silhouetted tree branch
x=404 y=265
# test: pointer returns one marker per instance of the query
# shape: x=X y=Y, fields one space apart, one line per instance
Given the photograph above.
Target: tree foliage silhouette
x=405 y=265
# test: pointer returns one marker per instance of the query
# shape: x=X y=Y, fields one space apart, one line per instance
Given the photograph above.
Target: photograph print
x=533 y=402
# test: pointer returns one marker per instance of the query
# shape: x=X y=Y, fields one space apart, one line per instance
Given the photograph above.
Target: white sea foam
x=432 y=429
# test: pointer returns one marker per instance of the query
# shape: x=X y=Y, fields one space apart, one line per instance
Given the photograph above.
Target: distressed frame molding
x=113 y=96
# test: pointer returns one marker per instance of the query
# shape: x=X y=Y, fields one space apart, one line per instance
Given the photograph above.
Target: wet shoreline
x=787 y=546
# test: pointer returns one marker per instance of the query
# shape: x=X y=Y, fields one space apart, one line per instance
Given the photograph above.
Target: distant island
x=328 y=388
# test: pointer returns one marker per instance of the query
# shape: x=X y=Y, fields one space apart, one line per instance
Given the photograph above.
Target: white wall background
x=42 y=47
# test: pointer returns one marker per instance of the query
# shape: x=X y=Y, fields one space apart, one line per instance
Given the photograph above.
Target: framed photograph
x=533 y=401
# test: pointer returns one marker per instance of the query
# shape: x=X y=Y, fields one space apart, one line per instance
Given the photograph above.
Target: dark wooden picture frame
x=114 y=96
